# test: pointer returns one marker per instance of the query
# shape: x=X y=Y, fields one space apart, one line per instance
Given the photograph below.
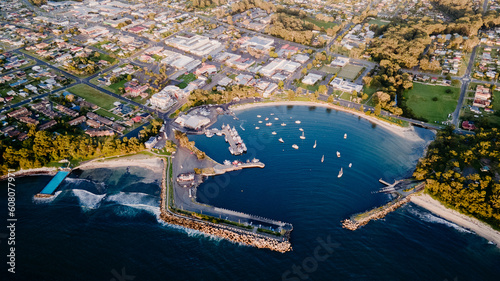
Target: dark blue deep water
x=103 y=225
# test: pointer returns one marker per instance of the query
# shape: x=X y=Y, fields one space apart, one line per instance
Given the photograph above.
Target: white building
x=311 y=78
x=345 y=86
x=165 y=98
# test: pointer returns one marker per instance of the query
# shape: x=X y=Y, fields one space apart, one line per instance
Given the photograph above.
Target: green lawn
x=118 y=85
x=311 y=88
x=419 y=99
x=94 y=96
x=188 y=78
x=350 y=71
x=108 y=114
x=496 y=100
x=320 y=23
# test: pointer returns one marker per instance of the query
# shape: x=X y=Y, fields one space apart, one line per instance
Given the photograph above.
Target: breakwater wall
x=280 y=244
x=359 y=220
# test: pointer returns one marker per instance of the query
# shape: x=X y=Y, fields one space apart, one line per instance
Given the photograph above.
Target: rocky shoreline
x=225 y=232
x=31 y=172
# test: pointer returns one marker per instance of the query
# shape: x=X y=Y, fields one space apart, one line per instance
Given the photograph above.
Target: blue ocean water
x=103 y=224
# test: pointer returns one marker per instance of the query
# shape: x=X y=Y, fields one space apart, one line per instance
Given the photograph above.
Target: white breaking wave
x=88 y=199
x=133 y=199
x=46 y=200
x=428 y=217
x=76 y=182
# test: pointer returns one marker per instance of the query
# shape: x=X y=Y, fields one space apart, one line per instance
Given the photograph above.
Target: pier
x=54 y=183
x=236 y=144
x=237 y=165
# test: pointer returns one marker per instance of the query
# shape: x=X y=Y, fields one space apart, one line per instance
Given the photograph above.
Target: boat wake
x=428 y=217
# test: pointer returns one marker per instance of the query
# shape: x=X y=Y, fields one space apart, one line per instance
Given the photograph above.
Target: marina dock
x=236 y=144
x=54 y=183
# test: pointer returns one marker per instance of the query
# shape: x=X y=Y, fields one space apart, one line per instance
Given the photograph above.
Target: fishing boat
x=273 y=133
x=258 y=116
x=314 y=146
x=269 y=124
x=283 y=124
x=345 y=136
x=295 y=146
x=297 y=122
x=272 y=113
x=276 y=118
x=302 y=137
x=300 y=129
x=281 y=140
x=260 y=121
x=340 y=173
x=322 y=158
x=256 y=128
x=266 y=118
x=350 y=165
x=338 y=154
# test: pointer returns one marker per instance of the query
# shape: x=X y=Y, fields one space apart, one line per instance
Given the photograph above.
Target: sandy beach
x=405 y=132
x=143 y=161
x=480 y=228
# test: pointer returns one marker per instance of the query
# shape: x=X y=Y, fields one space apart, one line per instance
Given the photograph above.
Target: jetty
x=403 y=190
x=236 y=144
x=51 y=187
x=236 y=165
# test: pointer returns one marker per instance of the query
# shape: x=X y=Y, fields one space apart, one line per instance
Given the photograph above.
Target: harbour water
x=103 y=224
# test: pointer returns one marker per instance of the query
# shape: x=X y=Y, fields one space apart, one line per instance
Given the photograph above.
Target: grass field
x=330 y=69
x=108 y=114
x=378 y=22
x=350 y=71
x=420 y=100
x=496 y=100
x=115 y=87
x=186 y=79
x=320 y=23
x=310 y=88
x=94 y=96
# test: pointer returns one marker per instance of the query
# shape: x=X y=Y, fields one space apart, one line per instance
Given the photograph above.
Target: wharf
x=54 y=183
x=221 y=169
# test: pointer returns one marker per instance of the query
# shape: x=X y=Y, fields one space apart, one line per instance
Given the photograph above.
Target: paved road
x=463 y=90
x=485 y=6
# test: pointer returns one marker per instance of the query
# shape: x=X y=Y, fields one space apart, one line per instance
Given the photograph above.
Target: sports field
x=432 y=102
